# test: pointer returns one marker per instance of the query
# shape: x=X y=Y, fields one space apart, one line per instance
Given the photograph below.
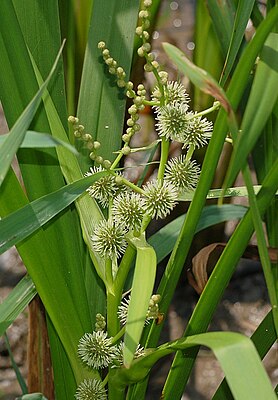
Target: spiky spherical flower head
x=172 y=120
x=109 y=239
x=174 y=91
x=96 y=350
x=104 y=188
x=182 y=173
x=139 y=352
x=91 y=389
x=159 y=200
x=198 y=132
x=128 y=211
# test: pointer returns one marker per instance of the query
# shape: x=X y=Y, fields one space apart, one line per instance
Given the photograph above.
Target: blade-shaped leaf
x=16 y=302
x=242 y=16
x=164 y=240
x=22 y=223
x=104 y=118
x=235 y=352
x=141 y=292
x=262 y=98
x=34 y=139
x=12 y=142
x=198 y=76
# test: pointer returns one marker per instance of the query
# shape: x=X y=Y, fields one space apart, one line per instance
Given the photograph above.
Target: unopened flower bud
x=126 y=150
x=99 y=159
x=96 y=145
x=106 y=164
x=101 y=45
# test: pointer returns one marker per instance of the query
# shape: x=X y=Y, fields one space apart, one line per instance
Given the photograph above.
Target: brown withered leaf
x=205 y=260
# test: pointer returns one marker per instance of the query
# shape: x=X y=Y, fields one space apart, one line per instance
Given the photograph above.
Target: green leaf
x=16 y=302
x=235 y=352
x=217 y=283
x=104 y=117
x=164 y=240
x=222 y=14
x=242 y=16
x=34 y=139
x=141 y=292
x=22 y=223
x=263 y=338
x=199 y=77
x=12 y=142
x=238 y=191
x=32 y=396
x=263 y=96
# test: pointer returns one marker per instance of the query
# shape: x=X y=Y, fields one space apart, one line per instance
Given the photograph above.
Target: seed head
x=182 y=173
x=172 y=120
x=91 y=389
x=159 y=199
x=104 y=189
x=96 y=350
x=127 y=210
x=109 y=239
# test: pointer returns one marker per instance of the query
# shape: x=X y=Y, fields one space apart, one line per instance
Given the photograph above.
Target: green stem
x=116 y=161
x=215 y=106
x=262 y=246
x=108 y=273
x=113 y=324
x=163 y=158
x=119 y=335
x=190 y=152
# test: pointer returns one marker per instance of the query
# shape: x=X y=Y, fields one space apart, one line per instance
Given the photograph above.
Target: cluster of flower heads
x=97 y=351
x=175 y=122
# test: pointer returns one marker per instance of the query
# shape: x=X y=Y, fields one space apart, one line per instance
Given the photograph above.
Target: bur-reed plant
x=80 y=224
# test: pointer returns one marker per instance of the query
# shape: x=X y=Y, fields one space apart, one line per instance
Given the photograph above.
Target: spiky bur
x=198 y=132
x=119 y=359
x=173 y=92
x=160 y=198
x=152 y=313
x=127 y=210
x=104 y=188
x=91 y=389
x=96 y=350
x=182 y=173
x=108 y=239
x=172 y=120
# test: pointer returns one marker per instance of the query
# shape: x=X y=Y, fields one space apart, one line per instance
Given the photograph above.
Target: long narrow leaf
x=142 y=289
x=16 y=302
x=22 y=223
x=262 y=98
x=11 y=144
x=235 y=352
x=164 y=240
x=34 y=139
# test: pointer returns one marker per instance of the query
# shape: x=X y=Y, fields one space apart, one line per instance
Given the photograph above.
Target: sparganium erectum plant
x=130 y=208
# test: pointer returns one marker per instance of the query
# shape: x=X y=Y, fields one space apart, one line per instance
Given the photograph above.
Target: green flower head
x=172 y=120
x=182 y=173
x=91 y=389
x=96 y=350
x=159 y=199
x=109 y=239
x=127 y=210
x=103 y=189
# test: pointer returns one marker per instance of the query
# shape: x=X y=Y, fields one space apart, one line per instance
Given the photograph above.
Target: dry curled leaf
x=205 y=260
